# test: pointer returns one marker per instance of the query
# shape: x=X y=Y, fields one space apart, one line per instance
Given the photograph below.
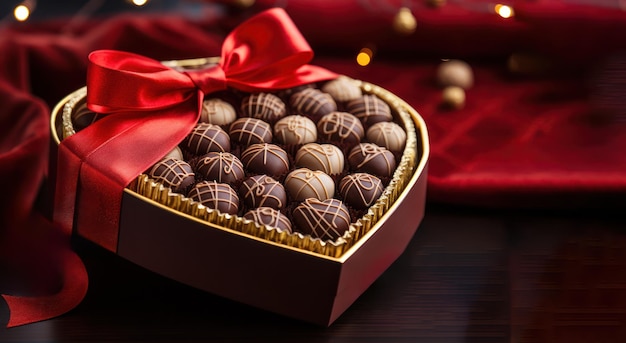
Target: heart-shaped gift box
x=293 y=274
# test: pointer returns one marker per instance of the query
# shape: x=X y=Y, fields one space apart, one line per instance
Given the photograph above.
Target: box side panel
x=382 y=248
x=250 y=271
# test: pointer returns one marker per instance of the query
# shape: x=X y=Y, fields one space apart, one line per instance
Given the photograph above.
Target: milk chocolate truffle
x=217 y=111
x=215 y=195
x=327 y=219
x=222 y=167
x=342 y=89
x=269 y=217
x=265 y=158
x=305 y=183
x=387 y=134
x=263 y=191
x=173 y=173
x=369 y=109
x=340 y=127
x=312 y=103
x=373 y=159
x=205 y=138
x=249 y=131
x=360 y=190
x=264 y=106
x=325 y=157
x=295 y=129
x=455 y=73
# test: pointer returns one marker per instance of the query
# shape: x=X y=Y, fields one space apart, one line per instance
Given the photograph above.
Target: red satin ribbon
x=150 y=108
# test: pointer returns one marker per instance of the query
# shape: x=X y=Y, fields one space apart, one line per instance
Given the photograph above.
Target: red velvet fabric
x=519 y=141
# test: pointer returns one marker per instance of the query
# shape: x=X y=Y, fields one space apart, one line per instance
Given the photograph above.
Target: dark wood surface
x=467 y=276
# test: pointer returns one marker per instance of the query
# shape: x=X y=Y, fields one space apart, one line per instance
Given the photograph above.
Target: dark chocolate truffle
x=325 y=157
x=342 y=89
x=328 y=219
x=173 y=173
x=217 y=111
x=265 y=158
x=249 y=131
x=312 y=103
x=373 y=159
x=304 y=183
x=285 y=94
x=215 y=195
x=205 y=138
x=264 y=106
x=263 y=191
x=387 y=134
x=369 y=109
x=222 y=167
x=360 y=190
x=340 y=127
x=269 y=217
x=295 y=129
x=83 y=117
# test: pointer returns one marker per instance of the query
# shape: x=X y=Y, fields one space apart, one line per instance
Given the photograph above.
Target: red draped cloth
x=538 y=141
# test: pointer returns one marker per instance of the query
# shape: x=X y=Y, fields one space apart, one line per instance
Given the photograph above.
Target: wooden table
x=469 y=275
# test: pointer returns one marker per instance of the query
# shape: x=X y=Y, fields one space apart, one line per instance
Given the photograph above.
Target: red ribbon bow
x=150 y=108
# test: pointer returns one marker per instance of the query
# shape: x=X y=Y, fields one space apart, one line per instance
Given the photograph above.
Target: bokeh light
x=504 y=11
x=139 y=2
x=364 y=57
x=21 y=13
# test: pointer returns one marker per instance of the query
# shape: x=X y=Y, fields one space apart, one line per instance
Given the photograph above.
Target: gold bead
x=244 y=3
x=453 y=97
x=528 y=64
x=435 y=3
x=404 y=22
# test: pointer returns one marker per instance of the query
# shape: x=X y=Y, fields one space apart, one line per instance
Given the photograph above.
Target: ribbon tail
x=26 y=310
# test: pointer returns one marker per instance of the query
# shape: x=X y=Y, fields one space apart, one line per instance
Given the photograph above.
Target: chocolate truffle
x=373 y=159
x=342 y=89
x=215 y=195
x=340 y=127
x=175 y=153
x=295 y=129
x=305 y=183
x=248 y=131
x=263 y=191
x=325 y=157
x=312 y=103
x=369 y=109
x=287 y=93
x=83 y=117
x=269 y=217
x=217 y=111
x=205 y=138
x=455 y=73
x=222 y=167
x=360 y=190
x=265 y=158
x=264 y=106
x=327 y=219
x=173 y=173
x=387 y=134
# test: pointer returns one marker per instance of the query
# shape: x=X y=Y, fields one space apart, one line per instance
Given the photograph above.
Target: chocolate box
x=289 y=274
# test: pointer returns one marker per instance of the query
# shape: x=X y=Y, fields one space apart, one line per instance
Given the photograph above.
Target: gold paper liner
x=143 y=186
